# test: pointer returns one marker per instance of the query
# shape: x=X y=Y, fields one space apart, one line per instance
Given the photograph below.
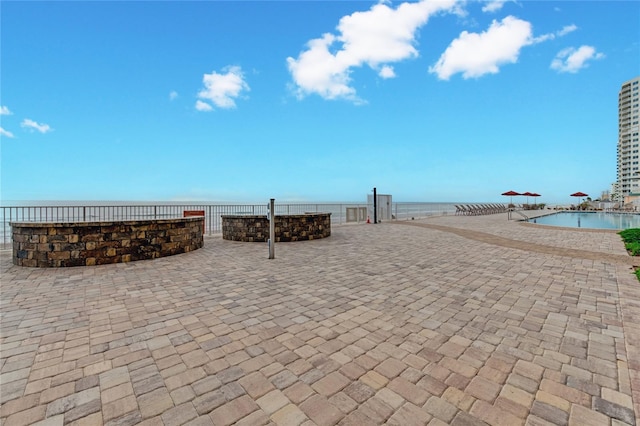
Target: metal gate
x=356 y=214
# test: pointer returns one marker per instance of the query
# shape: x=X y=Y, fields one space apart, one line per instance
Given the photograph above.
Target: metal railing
x=511 y=211
x=213 y=213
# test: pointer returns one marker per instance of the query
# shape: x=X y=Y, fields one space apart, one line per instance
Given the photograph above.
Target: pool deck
x=460 y=320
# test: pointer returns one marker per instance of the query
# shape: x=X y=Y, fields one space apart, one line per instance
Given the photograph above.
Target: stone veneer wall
x=58 y=244
x=295 y=227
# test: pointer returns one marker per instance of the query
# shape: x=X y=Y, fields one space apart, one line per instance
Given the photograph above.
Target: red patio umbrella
x=535 y=195
x=528 y=194
x=579 y=194
x=510 y=194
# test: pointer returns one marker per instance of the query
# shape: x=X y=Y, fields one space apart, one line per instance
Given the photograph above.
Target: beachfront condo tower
x=628 y=139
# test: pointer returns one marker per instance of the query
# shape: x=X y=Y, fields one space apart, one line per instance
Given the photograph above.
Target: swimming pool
x=592 y=220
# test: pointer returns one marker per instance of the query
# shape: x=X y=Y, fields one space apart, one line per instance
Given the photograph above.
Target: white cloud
x=317 y=70
x=477 y=54
x=387 y=72
x=376 y=38
x=560 y=33
x=573 y=60
x=203 y=106
x=5 y=110
x=493 y=5
x=222 y=89
x=173 y=95
x=30 y=124
x=566 y=30
x=6 y=133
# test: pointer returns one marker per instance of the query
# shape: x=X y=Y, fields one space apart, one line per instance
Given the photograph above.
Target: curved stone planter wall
x=293 y=227
x=58 y=244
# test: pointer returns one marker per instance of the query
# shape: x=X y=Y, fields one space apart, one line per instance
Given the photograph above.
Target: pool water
x=591 y=220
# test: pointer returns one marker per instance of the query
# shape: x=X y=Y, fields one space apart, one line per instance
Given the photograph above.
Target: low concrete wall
x=292 y=227
x=59 y=244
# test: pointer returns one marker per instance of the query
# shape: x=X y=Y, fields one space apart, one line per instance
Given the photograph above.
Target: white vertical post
x=272 y=229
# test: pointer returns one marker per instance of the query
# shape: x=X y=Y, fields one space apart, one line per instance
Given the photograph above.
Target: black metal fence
x=213 y=213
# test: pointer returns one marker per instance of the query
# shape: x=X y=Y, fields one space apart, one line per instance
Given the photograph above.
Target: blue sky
x=304 y=100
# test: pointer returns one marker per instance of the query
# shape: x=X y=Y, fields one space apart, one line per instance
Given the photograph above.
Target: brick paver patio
x=450 y=320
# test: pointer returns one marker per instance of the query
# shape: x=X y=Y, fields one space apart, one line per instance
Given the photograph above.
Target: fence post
x=272 y=229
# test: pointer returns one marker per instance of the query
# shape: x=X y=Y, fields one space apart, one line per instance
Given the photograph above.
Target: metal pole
x=375 y=206
x=272 y=229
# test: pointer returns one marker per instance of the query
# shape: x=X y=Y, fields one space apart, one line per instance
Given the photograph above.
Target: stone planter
x=60 y=244
x=291 y=227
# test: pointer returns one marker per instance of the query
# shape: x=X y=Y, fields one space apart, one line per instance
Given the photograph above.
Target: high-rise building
x=628 y=129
